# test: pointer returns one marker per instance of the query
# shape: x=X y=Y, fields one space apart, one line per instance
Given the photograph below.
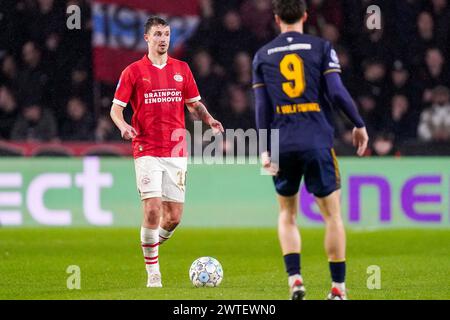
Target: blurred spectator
x=78 y=85
x=78 y=124
x=233 y=38
x=13 y=17
x=441 y=15
x=375 y=80
x=258 y=19
x=208 y=82
x=348 y=68
x=9 y=74
x=400 y=78
x=34 y=124
x=401 y=83
x=237 y=112
x=383 y=145
x=106 y=130
x=222 y=7
x=322 y=13
x=33 y=78
x=400 y=121
x=406 y=23
x=424 y=39
x=433 y=73
x=46 y=23
x=202 y=39
x=331 y=33
x=8 y=112
x=242 y=70
x=368 y=111
x=354 y=12
x=435 y=121
x=375 y=44
x=425 y=29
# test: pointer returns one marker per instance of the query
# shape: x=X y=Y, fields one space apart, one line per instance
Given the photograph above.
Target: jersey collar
x=149 y=63
x=290 y=33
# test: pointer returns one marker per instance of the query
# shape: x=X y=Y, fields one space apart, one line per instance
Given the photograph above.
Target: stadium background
x=56 y=88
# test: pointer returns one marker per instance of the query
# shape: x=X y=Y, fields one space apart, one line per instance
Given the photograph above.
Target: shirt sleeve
x=263 y=105
x=124 y=89
x=341 y=98
x=330 y=60
x=191 y=93
x=258 y=79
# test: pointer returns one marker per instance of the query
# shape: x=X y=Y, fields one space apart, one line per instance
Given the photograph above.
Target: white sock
x=164 y=235
x=293 y=278
x=150 y=244
x=339 y=285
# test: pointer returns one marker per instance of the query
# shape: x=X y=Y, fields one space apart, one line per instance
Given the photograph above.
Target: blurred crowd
x=398 y=75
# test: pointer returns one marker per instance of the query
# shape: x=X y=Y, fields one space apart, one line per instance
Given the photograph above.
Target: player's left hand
x=270 y=167
x=216 y=126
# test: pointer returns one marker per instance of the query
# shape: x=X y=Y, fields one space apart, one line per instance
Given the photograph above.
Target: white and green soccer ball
x=206 y=272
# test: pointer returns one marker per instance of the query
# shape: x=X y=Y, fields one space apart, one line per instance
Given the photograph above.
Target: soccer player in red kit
x=157 y=87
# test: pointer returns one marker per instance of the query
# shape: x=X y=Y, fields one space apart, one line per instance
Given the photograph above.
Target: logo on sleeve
x=178 y=77
x=334 y=56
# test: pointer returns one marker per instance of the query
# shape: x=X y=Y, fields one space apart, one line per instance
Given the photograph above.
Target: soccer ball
x=206 y=272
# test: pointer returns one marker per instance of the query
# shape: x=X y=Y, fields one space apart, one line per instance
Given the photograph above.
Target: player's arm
x=263 y=108
x=263 y=112
x=121 y=98
x=263 y=118
x=341 y=98
x=195 y=106
x=198 y=109
x=127 y=131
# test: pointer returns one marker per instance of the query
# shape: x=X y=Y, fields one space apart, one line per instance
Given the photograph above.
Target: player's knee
x=176 y=219
x=333 y=218
x=152 y=211
x=288 y=216
x=172 y=222
x=172 y=217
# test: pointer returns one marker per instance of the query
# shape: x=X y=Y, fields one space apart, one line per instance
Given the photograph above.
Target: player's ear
x=305 y=17
x=146 y=37
x=277 y=20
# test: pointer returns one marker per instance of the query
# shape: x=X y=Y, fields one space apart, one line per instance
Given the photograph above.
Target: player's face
x=158 y=39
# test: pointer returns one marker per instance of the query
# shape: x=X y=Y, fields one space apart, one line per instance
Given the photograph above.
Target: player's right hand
x=128 y=132
x=360 y=140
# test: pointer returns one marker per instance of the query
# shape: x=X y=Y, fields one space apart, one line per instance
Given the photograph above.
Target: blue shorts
x=319 y=167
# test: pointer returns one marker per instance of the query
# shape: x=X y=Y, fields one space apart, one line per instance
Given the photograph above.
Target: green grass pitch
x=415 y=264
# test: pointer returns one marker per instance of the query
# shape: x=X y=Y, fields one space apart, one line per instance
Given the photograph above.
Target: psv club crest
x=178 y=77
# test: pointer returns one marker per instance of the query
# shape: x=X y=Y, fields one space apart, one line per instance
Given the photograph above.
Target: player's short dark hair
x=154 y=21
x=289 y=11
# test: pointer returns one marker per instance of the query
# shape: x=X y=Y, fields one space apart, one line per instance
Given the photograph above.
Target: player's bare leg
x=334 y=242
x=150 y=239
x=290 y=242
x=171 y=217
